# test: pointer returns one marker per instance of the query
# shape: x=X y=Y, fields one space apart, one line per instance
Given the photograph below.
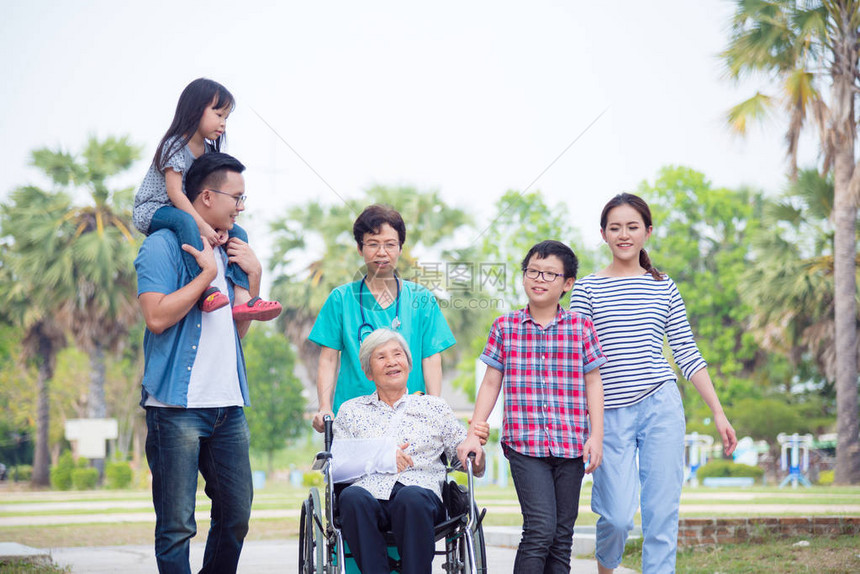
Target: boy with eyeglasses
x=547 y=360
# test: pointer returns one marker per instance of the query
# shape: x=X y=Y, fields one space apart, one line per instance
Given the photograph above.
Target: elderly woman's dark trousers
x=411 y=513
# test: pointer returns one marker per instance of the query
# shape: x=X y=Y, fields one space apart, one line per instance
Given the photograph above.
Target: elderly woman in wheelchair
x=389 y=445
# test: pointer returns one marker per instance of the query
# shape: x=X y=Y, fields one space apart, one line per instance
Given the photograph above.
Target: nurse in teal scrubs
x=380 y=299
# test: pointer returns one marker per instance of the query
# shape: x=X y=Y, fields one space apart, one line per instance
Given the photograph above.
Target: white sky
x=470 y=98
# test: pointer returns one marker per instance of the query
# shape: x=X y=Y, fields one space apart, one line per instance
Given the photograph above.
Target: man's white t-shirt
x=214 y=379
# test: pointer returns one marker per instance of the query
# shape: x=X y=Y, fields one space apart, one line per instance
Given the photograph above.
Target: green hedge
x=312 y=478
x=68 y=473
x=723 y=468
x=118 y=475
x=61 y=473
x=85 y=478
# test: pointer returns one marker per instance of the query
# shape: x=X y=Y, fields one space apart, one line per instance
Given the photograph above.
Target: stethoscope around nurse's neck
x=366 y=328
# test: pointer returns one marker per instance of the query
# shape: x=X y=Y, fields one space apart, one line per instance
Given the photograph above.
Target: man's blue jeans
x=178 y=444
x=548 y=489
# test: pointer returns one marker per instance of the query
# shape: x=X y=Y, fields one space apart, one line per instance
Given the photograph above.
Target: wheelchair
x=321 y=544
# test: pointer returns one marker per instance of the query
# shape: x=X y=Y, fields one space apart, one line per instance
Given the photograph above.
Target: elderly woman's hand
x=471 y=444
x=404 y=461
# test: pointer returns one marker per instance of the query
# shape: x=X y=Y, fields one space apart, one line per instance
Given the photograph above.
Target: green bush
x=21 y=473
x=825 y=477
x=722 y=468
x=61 y=474
x=141 y=477
x=85 y=478
x=312 y=478
x=118 y=475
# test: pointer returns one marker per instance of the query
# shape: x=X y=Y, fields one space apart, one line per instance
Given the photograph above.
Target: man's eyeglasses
x=547 y=276
x=239 y=198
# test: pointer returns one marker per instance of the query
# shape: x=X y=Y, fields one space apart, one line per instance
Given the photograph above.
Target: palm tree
x=304 y=287
x=81 y=253
x=98 y=293
x=27 y=298
x=790 y=282
x=42 y=341
x=805 y=46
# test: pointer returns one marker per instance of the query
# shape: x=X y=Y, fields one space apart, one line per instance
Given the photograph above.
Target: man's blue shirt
x=170 y=356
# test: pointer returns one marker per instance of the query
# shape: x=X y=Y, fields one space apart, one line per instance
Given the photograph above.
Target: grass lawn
x=822 y=555
x=27 y=568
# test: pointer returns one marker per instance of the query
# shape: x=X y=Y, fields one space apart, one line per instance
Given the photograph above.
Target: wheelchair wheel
x=480 y=565
x=311 y=551
x=458 y=554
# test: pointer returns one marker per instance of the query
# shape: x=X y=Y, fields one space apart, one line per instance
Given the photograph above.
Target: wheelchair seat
x=323 y=550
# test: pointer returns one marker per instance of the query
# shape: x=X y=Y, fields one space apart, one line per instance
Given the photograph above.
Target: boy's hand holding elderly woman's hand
x=475 y=439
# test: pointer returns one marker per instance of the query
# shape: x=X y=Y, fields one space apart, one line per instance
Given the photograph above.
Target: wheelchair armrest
x=454 y=466
x=321 y=459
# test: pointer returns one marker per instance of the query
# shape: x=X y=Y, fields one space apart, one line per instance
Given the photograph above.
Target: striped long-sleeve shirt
x=631 y=316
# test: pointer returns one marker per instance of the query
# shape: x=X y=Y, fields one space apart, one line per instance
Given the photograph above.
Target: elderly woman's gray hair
x=376 y=339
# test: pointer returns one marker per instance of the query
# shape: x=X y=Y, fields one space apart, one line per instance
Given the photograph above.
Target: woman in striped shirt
x=633 y=307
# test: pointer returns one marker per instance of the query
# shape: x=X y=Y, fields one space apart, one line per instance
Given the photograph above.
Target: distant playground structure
x=792 y=467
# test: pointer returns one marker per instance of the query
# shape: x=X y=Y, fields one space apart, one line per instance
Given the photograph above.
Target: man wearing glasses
x=379 y=299
x=194 y=384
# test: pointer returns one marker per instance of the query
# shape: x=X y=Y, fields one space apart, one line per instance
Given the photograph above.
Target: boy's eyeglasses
x=547 y=276
x=239 y=198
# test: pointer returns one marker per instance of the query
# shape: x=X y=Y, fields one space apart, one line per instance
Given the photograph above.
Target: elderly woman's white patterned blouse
x=428 y=425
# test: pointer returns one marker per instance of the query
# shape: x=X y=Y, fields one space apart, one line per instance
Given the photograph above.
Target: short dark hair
x=209 y=170
x=373 y=218
x=551 y=247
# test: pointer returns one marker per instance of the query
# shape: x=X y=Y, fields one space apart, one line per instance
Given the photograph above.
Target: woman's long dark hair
x=639 y=205
x=195 y=98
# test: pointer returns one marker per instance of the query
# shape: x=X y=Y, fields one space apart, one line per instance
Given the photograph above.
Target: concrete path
x=258 y=557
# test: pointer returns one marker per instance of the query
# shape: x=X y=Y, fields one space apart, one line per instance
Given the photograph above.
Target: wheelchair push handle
x=470 y=462
x=470 y=466
x=327 y=423
x=325 y=455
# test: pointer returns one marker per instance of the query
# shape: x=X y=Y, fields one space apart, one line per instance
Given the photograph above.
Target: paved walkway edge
x=14 y=552
x=583 y=537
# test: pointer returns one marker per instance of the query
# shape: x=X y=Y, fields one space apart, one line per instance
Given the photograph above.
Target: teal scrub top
x=422 y=325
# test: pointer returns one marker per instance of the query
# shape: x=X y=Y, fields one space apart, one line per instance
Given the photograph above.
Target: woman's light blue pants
x=654 y=429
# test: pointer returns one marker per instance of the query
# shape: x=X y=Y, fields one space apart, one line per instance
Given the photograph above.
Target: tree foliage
x=67 y=266
x=700 y=239
x=277 y=405
x=73 y=251
x=809 y=47
x=791 y=279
